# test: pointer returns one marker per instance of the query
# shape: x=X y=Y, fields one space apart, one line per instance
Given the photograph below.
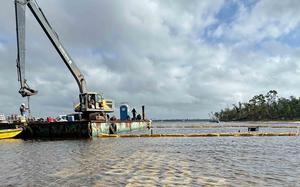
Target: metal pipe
x=143 y=112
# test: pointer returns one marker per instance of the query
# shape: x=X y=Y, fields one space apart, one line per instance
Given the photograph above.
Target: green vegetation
x=263 y=107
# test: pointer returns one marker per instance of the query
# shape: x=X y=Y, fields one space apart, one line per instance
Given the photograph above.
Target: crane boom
x=52 y=36
x=25 y=90
x=90 y=102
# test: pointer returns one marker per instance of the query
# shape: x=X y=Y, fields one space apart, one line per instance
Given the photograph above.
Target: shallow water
x=212 y=161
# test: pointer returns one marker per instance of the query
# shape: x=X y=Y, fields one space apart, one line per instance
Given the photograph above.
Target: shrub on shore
x=263 y=107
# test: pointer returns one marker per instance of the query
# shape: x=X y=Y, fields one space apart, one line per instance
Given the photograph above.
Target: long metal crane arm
x=25 y=90
x=52 y=36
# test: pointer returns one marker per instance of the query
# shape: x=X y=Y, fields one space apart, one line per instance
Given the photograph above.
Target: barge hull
x=80 y=129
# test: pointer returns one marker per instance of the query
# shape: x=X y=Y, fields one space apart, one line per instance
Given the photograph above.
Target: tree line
x=263 y=107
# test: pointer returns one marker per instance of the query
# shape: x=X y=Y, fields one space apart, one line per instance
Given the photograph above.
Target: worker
x=133 y=113
x=92 y=103
x=23 y=110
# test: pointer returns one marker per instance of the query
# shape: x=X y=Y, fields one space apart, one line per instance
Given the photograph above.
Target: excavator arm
x=25 y=90
x=90 y=102
x=20 y=6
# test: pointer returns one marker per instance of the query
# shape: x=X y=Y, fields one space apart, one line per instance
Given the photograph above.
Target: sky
x=181 y=59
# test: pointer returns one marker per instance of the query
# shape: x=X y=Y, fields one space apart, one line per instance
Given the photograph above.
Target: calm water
x=213 y=161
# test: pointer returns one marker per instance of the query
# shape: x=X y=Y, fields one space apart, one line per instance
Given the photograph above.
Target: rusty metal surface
x=62 y=130
x=78 y=129
x=99 y=128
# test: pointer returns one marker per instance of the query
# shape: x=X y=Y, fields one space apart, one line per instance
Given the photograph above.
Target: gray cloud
x=152 y=53
x=264 y=20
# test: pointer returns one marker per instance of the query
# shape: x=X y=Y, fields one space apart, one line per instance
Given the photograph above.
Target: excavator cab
x=94 y=102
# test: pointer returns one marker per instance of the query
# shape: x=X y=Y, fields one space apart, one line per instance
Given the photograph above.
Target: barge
x=80 y=129
x=93 y=108
x=74 y=126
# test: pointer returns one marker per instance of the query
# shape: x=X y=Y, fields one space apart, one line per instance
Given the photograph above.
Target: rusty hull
x=79 y=129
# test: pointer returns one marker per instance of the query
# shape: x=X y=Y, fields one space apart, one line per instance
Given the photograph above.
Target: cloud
x=180 y=59
x=2 y=47
x=263 y=20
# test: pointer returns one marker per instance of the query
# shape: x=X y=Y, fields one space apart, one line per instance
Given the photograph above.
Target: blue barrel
x=124 y=111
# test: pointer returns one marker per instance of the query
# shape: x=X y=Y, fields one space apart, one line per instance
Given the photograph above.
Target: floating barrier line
x=195 y=135
x=230 y=126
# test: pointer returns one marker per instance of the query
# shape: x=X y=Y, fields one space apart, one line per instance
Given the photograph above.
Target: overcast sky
x=181 y=59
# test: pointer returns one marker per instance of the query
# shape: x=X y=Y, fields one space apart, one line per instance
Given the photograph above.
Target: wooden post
x=143 y=112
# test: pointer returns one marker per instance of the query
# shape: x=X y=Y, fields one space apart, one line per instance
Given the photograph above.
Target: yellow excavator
x=89 y=102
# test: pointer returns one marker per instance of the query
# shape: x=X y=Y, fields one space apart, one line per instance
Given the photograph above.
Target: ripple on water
x=214 y=161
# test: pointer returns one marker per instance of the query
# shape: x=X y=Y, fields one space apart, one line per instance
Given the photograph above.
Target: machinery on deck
x=90 y=102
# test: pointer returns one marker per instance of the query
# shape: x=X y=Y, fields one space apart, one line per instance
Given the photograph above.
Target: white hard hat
x=22 y=104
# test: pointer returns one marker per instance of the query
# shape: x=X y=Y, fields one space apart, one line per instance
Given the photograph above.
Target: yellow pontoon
x=10 y=133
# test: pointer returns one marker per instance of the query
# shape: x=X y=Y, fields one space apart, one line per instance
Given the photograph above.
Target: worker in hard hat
x=23 y=110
